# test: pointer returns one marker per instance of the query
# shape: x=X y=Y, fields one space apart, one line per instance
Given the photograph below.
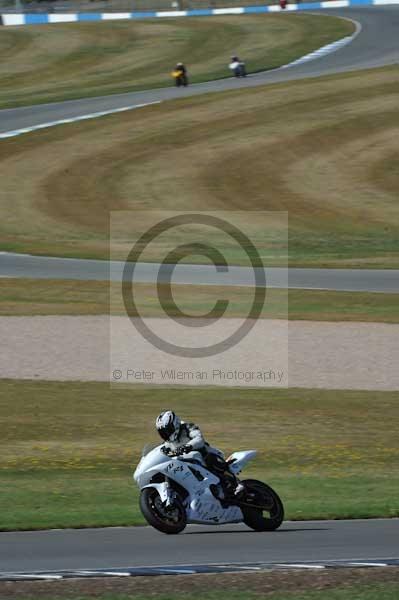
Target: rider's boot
x=239 y=491
x=234 y=488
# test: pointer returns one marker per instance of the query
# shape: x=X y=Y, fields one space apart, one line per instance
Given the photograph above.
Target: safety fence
x=66 y=17
x=105 y=6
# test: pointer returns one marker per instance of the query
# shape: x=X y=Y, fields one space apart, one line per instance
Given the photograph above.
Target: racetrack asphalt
x=143 y=546
x=356 y=280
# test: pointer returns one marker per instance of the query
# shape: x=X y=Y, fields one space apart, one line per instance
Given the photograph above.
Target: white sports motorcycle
x=178 y=490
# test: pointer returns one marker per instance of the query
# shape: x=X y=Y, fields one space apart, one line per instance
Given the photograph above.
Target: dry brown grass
x=328 y=584
x=58 y=297
x=317 y=149
x=76 y=60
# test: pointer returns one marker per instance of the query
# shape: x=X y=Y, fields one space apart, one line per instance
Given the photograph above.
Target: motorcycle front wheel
x=271 y=515
x=170 y=520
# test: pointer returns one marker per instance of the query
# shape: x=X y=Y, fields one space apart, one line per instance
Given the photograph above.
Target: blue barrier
x=309 y=6
x=89 y=17
x=41 y=18
x=36 y=19
x=200 y=12
x=256 y=9
x=141 y=15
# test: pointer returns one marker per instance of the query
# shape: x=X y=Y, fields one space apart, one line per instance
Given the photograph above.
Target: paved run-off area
x=320 y=355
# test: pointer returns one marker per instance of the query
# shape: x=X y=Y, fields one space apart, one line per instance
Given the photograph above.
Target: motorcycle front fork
x=171 y=494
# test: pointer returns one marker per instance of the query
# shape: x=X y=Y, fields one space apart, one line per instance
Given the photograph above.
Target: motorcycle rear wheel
x=253 y=517
x=170 y=521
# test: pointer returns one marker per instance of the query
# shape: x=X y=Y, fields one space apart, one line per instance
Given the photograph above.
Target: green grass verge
x=65 y=61
x=322 y=150
x=68 y=450
x=59 y=297
x=387 y=591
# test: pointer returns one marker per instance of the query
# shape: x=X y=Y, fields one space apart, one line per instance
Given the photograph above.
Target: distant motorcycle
x=238 y=68
x=176 y=490
x=180 y=78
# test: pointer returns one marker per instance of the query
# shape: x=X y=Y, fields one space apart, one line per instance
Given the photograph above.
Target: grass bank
x=59 y=297
x=68 y=450
x=328 y=584
x=322 y=150
x=65 y=61
x=387 y=591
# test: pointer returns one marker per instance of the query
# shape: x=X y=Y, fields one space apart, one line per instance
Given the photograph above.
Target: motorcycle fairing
x=240 y=459
x=201 y=505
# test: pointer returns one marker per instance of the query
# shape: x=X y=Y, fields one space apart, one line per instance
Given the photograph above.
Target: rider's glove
x=185 y=449
x=166 y=450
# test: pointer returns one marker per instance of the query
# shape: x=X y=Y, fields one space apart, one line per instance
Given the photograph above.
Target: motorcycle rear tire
x=253 y=517
x=153 y=518
x=181 y=81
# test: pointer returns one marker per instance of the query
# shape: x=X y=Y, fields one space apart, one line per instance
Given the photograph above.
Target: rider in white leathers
x=180 y=438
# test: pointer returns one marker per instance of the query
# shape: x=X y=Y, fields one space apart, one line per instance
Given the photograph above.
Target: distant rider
x=237 y=66
x=181 y=438
x=183 y=79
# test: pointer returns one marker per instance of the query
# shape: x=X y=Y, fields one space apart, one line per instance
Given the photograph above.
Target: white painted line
x=86 y=573
x=114 y=573
x=242 y=568
x=367 y=564
x=325 y=50
x=172 y=570
x=35 y=576
x=104 y=113
x=300 y=566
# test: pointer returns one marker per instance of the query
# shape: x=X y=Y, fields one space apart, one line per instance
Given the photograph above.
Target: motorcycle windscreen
x=147 y=449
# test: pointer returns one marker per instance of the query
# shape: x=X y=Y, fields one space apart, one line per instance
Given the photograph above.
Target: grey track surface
x=129 y=547
x=376 y=46
x=358 y=280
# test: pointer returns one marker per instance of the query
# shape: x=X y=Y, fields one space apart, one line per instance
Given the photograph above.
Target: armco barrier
x=42 y=18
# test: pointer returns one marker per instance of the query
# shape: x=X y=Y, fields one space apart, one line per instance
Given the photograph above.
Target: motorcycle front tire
x=156 y=519
x=253 y=517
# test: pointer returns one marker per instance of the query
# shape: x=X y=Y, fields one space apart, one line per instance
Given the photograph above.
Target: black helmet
x=168 y=425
